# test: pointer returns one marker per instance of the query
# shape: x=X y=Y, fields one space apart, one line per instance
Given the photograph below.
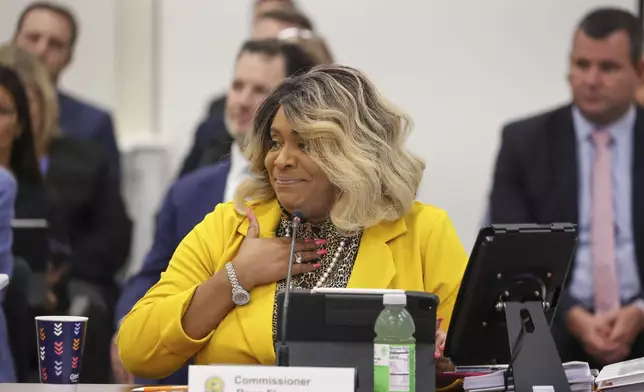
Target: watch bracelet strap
x=232 y=276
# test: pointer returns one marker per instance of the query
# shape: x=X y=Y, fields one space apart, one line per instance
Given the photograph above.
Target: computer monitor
x=30 y=242
x=335 y=328
x=508 y=297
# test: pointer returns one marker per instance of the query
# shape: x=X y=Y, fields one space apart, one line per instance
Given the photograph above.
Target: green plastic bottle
x=394 y=349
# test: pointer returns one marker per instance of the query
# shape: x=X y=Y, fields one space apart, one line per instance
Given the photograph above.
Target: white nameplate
x=228 y=378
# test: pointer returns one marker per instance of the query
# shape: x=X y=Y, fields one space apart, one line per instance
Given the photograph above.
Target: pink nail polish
x=316 y=265
x=320 y=242
x=308 y=240
x=322 y=252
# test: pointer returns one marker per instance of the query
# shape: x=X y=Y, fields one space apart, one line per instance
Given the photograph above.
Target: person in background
x=262 y=6
x=210 y=135
x=260 y=66
x=211 y=141
x=16 y=158
x=7 y=199
x=584 y=163
x=266 y=25
x=327 y=144
x=50 y=31
x=89 y=233
x=315 y=45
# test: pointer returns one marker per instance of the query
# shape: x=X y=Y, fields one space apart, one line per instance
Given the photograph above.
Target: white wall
x=460 y=68
x=198 y=46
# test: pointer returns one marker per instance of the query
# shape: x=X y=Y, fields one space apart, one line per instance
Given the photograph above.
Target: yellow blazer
x=419 y=252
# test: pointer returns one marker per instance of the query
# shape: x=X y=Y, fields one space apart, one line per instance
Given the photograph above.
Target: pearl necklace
x=336 y=257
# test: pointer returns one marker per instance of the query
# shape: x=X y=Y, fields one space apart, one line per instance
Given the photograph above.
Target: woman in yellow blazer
x=327 y=144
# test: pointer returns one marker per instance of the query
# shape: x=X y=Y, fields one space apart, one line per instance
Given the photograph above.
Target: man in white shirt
x=237 y=172
x=260 y=67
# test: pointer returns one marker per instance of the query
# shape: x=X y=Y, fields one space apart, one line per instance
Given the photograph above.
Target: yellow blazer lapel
x=256 y=318
x=268 y=216
x=374 y=266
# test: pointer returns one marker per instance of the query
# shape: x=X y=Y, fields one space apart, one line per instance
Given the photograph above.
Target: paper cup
x=61 y=340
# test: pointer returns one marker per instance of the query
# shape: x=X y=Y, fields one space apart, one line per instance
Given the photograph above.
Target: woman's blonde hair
x=352 y=133
x=34 y=75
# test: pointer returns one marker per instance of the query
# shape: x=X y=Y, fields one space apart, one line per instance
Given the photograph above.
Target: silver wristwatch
x=240 y=296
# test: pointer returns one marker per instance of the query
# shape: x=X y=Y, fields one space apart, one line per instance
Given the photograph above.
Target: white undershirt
x=239 y=171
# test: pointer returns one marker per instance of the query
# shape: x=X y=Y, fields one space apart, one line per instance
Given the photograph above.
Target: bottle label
x=394 y=367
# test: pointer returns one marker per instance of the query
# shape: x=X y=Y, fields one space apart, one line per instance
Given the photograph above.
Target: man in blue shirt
x=260 y=67
x=50 y=32
x=584 y=163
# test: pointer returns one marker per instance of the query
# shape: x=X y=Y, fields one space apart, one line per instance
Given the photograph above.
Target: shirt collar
x=584 y=128
x=237 y=158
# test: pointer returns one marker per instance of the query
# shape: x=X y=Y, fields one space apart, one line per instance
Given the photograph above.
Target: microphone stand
x=282 y=346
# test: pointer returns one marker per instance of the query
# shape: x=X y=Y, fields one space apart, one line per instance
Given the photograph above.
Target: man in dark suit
x=584 y=163
x=260 y=67
x=50 y=32
x=212 y=141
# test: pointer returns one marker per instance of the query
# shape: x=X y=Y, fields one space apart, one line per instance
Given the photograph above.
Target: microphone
x=282 y=349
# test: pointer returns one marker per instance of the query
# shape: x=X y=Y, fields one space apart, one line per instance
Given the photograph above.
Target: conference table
x=54 y=388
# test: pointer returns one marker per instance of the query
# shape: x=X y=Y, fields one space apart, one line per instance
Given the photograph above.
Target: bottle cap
x=394 y=299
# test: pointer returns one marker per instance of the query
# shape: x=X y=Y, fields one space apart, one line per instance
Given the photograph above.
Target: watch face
x=241 y=297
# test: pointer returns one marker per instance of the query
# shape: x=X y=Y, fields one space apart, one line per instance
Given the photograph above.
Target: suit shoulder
x=83 y=106
x=204 y=177
x=537 y=121
x=217 y=106
x=212 y=130
x=79 y=149
x=224 y=218
x=425 y=215
x=207 y=126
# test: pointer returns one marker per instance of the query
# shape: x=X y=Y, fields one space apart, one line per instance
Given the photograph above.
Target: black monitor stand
x=535 y=359
x=507 y=301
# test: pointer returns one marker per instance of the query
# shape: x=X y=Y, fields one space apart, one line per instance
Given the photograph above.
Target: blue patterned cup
x=61 y=340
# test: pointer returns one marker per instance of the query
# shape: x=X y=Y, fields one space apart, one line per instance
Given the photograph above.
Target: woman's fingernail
x=437 y=355
x=308 y=240
x=322 y=252
x=320 y=242
x=316 y=265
